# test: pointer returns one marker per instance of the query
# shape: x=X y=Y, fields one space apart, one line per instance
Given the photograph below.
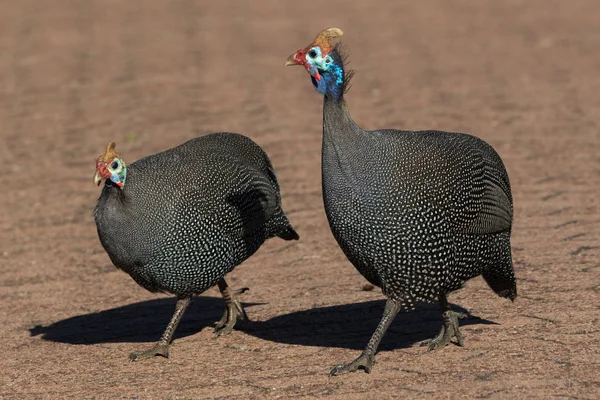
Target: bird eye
x=312 y=54
x=114 y=165
x=328 y=60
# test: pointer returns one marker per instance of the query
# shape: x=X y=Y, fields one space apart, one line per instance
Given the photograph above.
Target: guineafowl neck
x=343 y=140
x=340 y=132
x=118 y=228
x=336 y=116
x=112 y=206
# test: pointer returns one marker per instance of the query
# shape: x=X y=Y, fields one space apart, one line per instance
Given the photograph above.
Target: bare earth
x=523 y=75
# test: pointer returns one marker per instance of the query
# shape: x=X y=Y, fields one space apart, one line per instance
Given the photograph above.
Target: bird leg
x=367 y=358
x=449 y=328
x=233 y=309
x=162 y=347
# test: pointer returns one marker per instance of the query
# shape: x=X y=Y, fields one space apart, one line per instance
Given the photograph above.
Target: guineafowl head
x=325 y=64
x=111 y=168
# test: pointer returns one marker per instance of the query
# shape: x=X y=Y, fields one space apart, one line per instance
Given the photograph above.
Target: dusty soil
x=523 y=75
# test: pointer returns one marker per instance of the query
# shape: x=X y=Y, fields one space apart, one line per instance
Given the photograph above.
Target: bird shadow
x=138 y=322
x=347 y=326
x=351 y=325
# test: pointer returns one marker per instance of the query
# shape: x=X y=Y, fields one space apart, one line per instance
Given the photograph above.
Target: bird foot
x=160 y=349
x=449 y=330
x=364 y=361
x=233 y=312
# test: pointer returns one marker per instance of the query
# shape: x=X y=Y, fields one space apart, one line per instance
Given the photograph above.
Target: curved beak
x=97 y=178
x=292 y=60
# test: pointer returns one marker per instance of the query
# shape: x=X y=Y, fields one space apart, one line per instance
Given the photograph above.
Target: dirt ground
x=150 y=74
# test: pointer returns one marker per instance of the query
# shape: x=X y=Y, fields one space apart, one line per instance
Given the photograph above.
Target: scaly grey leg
x=233 y=309
x=449 y=329
x=162 y=347
x=367 y=358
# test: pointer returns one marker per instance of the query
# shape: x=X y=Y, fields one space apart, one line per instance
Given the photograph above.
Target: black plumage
x=179 y=220
x=417 y=213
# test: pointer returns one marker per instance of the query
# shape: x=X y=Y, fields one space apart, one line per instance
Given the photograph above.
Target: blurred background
x=150 y=74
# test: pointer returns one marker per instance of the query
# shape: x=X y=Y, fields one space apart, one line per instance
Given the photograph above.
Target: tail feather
x=280 y=226
x=502 y=281
x=288 y=234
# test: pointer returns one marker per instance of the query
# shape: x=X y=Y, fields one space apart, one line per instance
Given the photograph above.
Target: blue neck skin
x=331 y=84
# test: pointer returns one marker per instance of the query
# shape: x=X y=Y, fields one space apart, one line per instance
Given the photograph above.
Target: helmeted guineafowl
x=179 y=220
x=417 y=213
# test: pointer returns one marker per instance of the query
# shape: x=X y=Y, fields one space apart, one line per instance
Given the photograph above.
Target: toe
x=158 y=350
x=436 y=344
x=240 y=291
x=460 y=315
x=364 y=361
x=223 y=330
x=336 y=370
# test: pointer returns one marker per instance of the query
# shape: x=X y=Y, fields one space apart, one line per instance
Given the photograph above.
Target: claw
x=160 y=349
x=364 y=361
x=233 y=312
x=449 y=330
